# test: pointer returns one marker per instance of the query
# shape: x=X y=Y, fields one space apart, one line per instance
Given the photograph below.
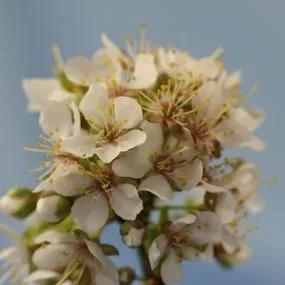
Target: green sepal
x=63 y=208
x=109 y=249
x=19 y=192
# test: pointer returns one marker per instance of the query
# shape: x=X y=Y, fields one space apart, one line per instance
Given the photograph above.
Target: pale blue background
x=252 y=34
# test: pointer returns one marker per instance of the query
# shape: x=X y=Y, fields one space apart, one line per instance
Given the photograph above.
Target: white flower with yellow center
x=94 y=193
x=236 y=130
x=115 y=123
x=107 y=63
x=180 y=241
x=71 y=259
x=179 y=165
x=179 y=64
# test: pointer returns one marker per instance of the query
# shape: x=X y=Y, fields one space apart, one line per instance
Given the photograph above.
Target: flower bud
x=18 y=202
x=132 y=233
x=127 y=275
x=53 y=208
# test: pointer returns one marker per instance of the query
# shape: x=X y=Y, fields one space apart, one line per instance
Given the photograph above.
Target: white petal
x=11 y=205
x=213 y=188
x=154 y=140
x=205 y=67
x=189 y=175
x=38 y=91
x=62 y=96
x=108 y=275
x=133 y=164
x=128 y=112
x=245 y=179
x=232 y=134
x=70 y=180
x=45 y=185
x=171 y=268
x=206 y=229
x=54 y=237
x=90 y=214
x=93 y=103
x=145 y=73
x=233 y=80
x=208 y=253
x=80 y=145
x=47 y=207
x=96 y=251
x=225 y=207
x=56 y=120
x=134 y=237
x=41 y=275
x=81 y=71
x=179 y=223
x=157 y=185
x=254 y=203
x=157 y=250
x=108 y=65
x=249 y=120
x=126 y=202
x=108 y=152
x=210 y=99
x=186 y=219
x=111 y=47
x=255 y=143
x=76 y=130
x=54 y=256
x=229 y=240
x=131 y=139
x=9 y=253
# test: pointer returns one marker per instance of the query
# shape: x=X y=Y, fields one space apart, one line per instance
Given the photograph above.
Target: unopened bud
x=53 y=208
x=132 y=233
x=18 y=202
x=127 y=275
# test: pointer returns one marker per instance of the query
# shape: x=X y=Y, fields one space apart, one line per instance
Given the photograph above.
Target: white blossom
x=124 y=132
x=149 y=156
x=44 y=91
x=63 y=250
x=114 y=125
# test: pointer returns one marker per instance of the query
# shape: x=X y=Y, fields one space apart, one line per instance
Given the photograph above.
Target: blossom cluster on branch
x=137 y=137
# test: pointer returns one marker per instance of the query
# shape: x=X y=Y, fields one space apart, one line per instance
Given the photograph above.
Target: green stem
x=150 y=277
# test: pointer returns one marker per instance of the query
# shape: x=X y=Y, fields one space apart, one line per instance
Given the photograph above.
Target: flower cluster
x=137 y=137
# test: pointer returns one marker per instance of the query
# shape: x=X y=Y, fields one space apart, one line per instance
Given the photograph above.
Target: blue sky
x=250 y=31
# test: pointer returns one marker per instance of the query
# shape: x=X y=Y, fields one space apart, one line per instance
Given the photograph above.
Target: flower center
x=104 y=182
x=164 y=163
x=178 y=237
x=199 y=129
x=110 y=132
